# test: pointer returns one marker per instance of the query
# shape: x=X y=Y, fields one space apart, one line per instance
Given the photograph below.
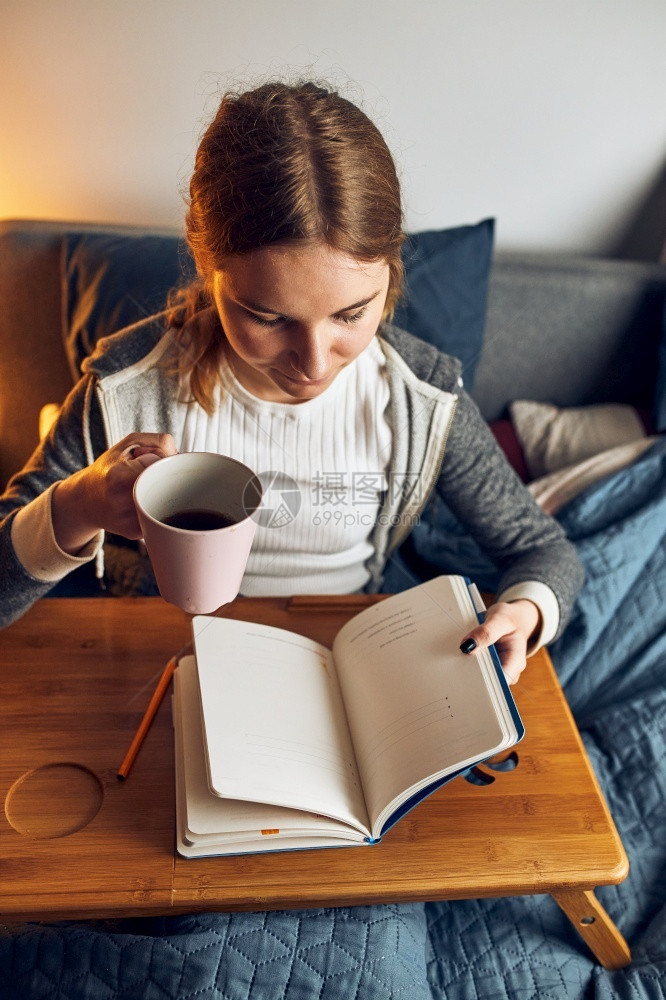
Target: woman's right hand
x=100 y=496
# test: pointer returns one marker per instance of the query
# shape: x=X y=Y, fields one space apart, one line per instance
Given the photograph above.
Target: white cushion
x=556 y=489
x=553 y=438
x=47 y=417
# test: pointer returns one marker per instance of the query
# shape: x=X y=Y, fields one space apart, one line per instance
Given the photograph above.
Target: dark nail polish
x=468 y=645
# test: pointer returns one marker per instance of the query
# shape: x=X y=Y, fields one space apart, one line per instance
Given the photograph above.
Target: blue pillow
x=112 y=279
x=660 y=388
x=447 y=289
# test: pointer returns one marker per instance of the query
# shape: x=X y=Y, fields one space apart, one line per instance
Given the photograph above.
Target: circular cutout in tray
x=54 y=800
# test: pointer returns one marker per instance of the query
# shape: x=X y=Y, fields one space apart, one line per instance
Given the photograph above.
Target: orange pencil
x=150 y=714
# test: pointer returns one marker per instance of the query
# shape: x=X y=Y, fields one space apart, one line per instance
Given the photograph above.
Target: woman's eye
x=354 y=317
x=261 y=321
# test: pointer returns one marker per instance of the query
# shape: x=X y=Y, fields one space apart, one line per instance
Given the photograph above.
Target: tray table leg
x=595 y=927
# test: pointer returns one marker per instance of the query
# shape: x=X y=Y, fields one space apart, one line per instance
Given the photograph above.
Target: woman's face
x=294 y=317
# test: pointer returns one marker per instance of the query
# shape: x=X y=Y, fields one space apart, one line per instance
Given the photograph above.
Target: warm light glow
x=20 y=199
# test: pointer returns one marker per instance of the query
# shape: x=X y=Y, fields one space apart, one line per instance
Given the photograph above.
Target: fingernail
x=468 y=645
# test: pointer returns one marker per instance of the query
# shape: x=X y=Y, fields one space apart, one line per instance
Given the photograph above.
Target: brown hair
x=283 y=164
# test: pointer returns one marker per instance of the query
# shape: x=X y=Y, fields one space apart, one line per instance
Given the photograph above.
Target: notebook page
x=416 y=705
x=275 y=725
x=209 y=819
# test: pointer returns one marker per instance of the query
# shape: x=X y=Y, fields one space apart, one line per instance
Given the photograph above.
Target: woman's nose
x=310 y=355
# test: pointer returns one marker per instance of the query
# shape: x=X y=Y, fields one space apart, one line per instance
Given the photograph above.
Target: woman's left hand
x=509 y=626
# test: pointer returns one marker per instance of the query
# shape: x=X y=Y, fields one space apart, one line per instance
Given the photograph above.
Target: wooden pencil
x=148 y=717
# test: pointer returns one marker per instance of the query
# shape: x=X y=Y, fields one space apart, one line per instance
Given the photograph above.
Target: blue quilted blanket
x=612 y=663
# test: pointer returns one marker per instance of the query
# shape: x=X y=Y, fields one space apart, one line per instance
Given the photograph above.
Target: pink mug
x=195 y=510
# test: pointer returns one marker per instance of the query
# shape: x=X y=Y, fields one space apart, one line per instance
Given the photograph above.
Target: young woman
x=282 y=355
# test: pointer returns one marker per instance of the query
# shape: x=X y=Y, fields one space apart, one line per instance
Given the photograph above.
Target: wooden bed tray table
x=75 y=678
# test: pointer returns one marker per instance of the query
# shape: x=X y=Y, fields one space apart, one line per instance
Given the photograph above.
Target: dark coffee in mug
x=199 y=520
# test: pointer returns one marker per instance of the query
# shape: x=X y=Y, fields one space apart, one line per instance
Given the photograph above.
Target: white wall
x=547 y=114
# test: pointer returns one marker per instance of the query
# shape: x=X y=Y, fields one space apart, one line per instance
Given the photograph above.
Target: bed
x=546 y=341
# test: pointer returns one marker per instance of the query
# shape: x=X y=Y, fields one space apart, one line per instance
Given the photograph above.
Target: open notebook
x=282 y=743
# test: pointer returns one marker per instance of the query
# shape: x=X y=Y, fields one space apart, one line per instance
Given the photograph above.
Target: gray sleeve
x=60 y=454
x=489 y=499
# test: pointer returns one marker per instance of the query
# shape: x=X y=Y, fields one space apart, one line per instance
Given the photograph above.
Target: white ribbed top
x=323 y=464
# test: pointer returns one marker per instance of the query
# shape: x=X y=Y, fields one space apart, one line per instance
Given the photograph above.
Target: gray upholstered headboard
x=570 y=331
